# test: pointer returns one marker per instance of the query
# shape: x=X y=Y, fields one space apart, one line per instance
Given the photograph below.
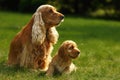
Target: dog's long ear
x=38 y=29
x=53 y=35
x=62 y=52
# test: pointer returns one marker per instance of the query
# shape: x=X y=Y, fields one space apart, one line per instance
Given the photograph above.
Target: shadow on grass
x=14 y=28
x=7 y=70
x=43 y=74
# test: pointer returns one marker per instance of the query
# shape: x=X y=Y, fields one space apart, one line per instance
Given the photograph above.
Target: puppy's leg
x=72 y=67
x=50 y=70
x=69 y=69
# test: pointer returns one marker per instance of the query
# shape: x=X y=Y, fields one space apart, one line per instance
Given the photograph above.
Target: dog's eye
x=50 y=11
x=71 y=47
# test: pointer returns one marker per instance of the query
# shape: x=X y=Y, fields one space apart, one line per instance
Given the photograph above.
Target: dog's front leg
x=50 y=70
x=69 y=69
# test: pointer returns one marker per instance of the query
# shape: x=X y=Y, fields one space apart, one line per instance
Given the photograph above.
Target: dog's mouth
x=62 y=20
x=58 y=24
x=73 y=57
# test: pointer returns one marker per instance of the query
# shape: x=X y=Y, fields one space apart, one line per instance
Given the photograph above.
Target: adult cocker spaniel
x=33 y=45
x=62 y=61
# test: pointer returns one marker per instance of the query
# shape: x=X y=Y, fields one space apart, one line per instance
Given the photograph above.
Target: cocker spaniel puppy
x=62 y=61
x=33 y=45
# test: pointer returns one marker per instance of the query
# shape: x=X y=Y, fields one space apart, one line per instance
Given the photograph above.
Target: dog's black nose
x=62 y=17
x=78 y=52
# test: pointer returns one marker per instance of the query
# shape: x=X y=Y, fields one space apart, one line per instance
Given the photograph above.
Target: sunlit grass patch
x=98 y=41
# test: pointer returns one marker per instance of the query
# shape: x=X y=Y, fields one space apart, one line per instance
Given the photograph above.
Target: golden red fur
x=32 y=46
x=62 y=61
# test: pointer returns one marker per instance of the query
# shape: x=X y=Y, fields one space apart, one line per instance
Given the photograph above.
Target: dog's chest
x=62 y=66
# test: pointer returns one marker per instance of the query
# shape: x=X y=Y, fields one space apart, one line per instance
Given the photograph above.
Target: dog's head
x=69 y=49
x=45 y=18
x=49 y=15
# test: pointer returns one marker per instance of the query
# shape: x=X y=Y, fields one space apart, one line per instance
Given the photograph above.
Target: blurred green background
x=94 y=8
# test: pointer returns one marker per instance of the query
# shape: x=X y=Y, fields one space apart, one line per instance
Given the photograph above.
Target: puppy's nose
x=78 y=52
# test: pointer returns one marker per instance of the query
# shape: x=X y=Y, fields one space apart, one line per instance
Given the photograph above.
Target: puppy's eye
x=71 y=47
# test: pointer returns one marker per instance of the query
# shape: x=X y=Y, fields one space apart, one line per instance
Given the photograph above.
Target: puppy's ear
x=61 y=52
x=38 y=29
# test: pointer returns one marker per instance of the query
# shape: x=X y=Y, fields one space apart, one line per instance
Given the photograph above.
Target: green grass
x=98 y=40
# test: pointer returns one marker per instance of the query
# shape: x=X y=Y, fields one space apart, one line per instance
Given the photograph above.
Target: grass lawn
x=98 y=40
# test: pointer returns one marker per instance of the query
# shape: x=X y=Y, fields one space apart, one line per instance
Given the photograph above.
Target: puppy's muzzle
x=78 y=52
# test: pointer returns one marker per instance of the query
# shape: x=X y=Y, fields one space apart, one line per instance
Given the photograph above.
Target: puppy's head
x=69 y=49
x=49 y=15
